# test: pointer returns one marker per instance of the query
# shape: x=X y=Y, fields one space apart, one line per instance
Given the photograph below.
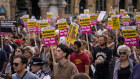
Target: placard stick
x=87 y=41
x=52 y=55
x=116 y=38
x=35 y=39
x=1 y=41
x=95 y=28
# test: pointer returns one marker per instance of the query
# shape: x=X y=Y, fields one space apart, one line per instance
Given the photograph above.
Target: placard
x=72 y=33
x=86 y=11
x=129 y=31
x=2 y=18
x=126 y=20
x=93 y=18
x=8 y=26
x=32 y=25
x=115 y=22
x=25 y=19
x=137 y=19
x=62 y=26
x=109 y=24
x=132 y=41
x=122 y=12
x=85 y=23
x=49 y=17
x=49 y=36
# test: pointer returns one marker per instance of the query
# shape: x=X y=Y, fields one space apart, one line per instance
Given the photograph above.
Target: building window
x=68 y=7
x=100 y=5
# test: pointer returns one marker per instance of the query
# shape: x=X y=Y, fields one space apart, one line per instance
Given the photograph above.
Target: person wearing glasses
x=19 y=65
x=124 y=65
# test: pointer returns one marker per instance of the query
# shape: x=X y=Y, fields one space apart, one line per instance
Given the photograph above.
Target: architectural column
x=138 y=5
x=61 y=9
x=43 y=8
x=13 y=9
x=110 y=4
x=76 y=6
x=91 y=6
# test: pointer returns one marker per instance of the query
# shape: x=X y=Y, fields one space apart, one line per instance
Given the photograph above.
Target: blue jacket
x=135 y=72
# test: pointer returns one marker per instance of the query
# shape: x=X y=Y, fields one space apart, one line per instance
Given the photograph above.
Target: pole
x=1 y=41
x=87 y=41
x=52 y=56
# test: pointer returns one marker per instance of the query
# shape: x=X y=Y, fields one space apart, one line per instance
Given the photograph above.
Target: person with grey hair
x=124 y=65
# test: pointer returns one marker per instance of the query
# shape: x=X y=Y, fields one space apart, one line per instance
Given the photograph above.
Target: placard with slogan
x=93 y=18
x=137 y=19
x=49 y=17
x=86 y=11
x=72 y=33
x=112 y=13
x=25 y=19
x=85 y=23
x=32 y=25
x=115 y=22
x=8 y=26
x=62 y=26
x=2 y=18
x=126 y=20
x=130 y=36
x=49 y=36
x=109 y=24
x=122 y=12
x=129 y=31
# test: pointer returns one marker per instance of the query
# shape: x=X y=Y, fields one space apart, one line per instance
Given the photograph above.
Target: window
x=100 y=5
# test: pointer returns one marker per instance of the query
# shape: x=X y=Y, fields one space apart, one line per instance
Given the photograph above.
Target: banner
x=8 y=26
x=2 y=18
x=135 y=10
x=49 y=17
x=86 y=11
x=32 y=25
x=49 y=37
x=62 y=26
x=115 y=22
x=129 y=31
x=72 y=33
x=25 y=20
x=101 y=15
x=109 y=24
x=122 y=12
x=85 y=23
x=126 y=20
x=137 y=19
x=93 y=18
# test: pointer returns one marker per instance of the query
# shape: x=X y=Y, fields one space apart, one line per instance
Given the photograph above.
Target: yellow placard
x=109 y=22
x=112 y=14
x=85 y=21
x=72 y=33
x=25 y=19
x=2 y=18
x=122 y=11
x=45 y=24
x=115 y=23
x=137 y=17
x=62 y=25
x=49 y=15
x=48 y=33
x=129 y=33
x=135 y=10
x=31 y=24
x=93 y=17
x=86 y=12
x=126 y=19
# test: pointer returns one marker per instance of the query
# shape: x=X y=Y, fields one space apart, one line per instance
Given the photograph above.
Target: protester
x=64 y=69
x=135 y=72
x=80 y=59
x=37 y=68
x=102 y=57
x=20 y=64
x=3 y=61
x=81 y=76
x=124 y=65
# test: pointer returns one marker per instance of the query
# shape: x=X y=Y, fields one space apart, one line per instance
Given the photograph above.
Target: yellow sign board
x=48 y=33
x=115 y=22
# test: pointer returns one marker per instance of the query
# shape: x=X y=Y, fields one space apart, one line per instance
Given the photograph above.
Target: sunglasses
x=18 y=50
x=16 y=64
x=122 y=53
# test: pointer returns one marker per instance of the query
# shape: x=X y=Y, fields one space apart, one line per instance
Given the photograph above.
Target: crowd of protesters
x=24 y=56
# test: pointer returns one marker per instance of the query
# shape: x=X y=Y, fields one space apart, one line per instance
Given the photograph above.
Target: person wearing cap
x=37 y=68
x=18 y=42
x=64 y=69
